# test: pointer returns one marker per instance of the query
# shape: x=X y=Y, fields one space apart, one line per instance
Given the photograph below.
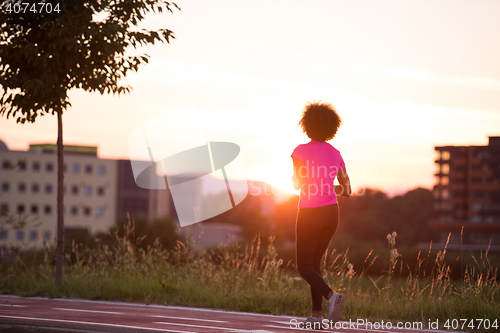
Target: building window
x=35 y=188
x=47 y=209
x=49 y=167
x=22 y=165
x=33 y=235
x=445 y=180
x=483 y=154
x=88 y=169
x=99 y=212
x=87 y=211
x=75 y=168
x=87 y=190
x=4 y=208
x=34 y=209
x=446 y=206
x=46 y=235
x=48 y=188
x=445 y=155
x=5 y=187
x=6 y=165
x=439 y=169
x=476 y=206
x=3 y=235
x=19 y=235
x=74 y=210
x=100 y=191
x=21 y=187
x=101 y=169
x=445 y=168
x=74 y=189
x=36 y=166
x=20 y=208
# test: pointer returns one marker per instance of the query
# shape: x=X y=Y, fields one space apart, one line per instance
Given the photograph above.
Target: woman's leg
x=314 y=230
x=324 y=240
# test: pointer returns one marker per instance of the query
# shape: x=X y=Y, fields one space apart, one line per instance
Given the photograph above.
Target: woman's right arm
x=344 y=187
x=297 y=179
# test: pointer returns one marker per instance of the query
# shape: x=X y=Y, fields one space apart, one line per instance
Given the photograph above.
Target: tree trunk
x=60 y=201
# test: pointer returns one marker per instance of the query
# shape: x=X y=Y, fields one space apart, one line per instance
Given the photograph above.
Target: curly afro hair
x=320 y=121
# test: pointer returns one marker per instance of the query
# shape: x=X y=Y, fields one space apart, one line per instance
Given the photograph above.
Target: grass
x=238 y=279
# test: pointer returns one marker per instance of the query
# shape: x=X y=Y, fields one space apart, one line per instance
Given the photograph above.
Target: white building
x=28 y=187
x=98 y=192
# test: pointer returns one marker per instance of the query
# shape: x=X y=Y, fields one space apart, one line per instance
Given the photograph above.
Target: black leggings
x=314 y=229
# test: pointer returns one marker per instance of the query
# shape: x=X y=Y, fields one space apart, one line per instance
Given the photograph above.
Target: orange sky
x=405 y=77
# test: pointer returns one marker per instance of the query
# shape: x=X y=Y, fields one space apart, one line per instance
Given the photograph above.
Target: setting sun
x=279 y=176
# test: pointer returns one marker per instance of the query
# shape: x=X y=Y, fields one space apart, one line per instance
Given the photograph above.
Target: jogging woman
x=316 y=165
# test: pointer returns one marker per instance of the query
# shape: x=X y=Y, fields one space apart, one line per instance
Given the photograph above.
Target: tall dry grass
x=257 y=280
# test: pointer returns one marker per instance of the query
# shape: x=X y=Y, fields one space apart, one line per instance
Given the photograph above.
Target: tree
x=84 y=46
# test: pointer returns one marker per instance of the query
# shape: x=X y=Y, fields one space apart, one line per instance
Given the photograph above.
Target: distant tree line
x=366 y=220
x=368 y=217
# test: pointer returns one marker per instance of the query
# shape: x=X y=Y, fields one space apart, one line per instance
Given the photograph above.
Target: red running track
x=103 y=316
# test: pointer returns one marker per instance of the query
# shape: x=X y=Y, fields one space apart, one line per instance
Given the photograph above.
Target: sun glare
x=279 y=176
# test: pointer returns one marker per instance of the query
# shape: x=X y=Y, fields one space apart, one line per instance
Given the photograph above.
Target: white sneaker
x=335 y=304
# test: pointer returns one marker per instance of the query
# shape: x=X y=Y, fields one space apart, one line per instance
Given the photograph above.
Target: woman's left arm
x=344 y=187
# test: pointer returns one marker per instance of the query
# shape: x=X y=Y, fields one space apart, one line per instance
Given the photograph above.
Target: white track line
x=292 y=326
x=296 y=328
x=96 y=324
x=202 y=326
x=402 y=329
x=13 y=305
x=362 y=329
x=271 y=316
x=287 y=322
x=254 y=331
x=183 y=318
x=92 y=311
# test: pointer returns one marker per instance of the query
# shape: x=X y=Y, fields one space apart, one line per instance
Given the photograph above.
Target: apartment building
x=131 y=199
x=97 y=192
x=467 y=194
x=28 y=187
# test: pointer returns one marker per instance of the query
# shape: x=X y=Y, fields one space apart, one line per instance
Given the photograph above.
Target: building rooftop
x=494 y=141
x=68 y=149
